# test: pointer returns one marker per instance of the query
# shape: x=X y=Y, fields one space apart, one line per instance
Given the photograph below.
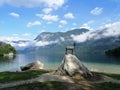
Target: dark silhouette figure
x=72 y=48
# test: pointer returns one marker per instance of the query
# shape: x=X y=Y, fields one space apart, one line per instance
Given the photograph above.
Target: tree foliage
x=6 y=48
x=113 y=52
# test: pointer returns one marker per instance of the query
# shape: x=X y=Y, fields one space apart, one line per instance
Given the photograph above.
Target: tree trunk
x=71 y=65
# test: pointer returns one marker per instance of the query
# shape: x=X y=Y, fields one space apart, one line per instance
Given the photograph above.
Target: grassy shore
x=54 y=85
x=16 y=76
x=115 y=76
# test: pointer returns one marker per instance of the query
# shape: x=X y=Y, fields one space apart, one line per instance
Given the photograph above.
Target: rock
x=32 y=66
x=71 y=65
x=9 y=55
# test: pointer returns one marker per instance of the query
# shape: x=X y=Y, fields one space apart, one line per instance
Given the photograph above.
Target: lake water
x=52 y=62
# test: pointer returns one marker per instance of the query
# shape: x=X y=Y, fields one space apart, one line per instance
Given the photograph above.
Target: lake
x=52 y=62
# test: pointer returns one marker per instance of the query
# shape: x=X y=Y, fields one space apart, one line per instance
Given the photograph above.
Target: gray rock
x=71 y=65
x=32 y=66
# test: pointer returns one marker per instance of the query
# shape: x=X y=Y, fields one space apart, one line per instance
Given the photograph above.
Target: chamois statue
x=72 y=48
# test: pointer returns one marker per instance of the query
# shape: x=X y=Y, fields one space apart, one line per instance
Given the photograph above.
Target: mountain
x=90 y=44
x=55 y=40
x=59 y=36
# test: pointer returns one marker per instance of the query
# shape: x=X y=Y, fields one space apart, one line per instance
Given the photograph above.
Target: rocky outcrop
x=33 y=66
x=9 y=55
x=71 y=65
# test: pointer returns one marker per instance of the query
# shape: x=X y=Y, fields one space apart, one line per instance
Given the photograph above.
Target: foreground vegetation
x=16 y=76
x=54 y=85
x=107 y=86
x=115 y=76
x=113 y=52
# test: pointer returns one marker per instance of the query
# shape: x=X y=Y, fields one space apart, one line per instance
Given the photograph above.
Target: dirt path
x=51 y=77
x=41 y=78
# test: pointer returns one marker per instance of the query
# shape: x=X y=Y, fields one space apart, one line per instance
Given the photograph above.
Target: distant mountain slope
x=90 y=45
x=59 y=36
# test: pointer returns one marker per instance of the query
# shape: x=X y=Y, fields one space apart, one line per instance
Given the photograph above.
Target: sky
x=25 y=19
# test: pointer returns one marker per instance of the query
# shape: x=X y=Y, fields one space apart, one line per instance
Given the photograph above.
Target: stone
x=33 y=66
x=71 y=65
x=9 y=55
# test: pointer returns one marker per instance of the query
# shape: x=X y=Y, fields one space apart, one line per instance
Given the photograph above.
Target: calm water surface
x=52 y=62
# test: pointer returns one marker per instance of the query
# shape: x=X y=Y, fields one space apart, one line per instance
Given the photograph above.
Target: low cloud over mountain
x=77 y=35
x=109 y=30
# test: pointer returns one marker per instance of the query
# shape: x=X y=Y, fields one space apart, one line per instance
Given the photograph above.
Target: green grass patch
x=115 y=76
x=50 y=85
x=15 y=76
x=107 y=86
x=54 y=85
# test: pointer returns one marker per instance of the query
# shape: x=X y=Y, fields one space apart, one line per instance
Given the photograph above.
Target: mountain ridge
x=48 y=36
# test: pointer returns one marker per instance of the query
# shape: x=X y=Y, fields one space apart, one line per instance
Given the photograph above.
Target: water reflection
x=7 y=59
x=53 y=61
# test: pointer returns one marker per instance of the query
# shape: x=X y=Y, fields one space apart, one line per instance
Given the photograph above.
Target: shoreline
x=90 y=66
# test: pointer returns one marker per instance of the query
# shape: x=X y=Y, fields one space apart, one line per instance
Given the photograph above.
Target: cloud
x=14 y=14
x=9 y=38
x=109 y=30
x=35 y=23
x=49 y=22
x=74 y=24
x=34 y=3
x=15 y=37
x=47 y=10
x=54 y=3
x=26 y=34
x=96 y=11
x=44 y=43
x=60 y=26
x=50 y=17
x=63 y=22
x=86 y=26
x=21 y=45
x=112 y=29
x=69 y=16
x=39 y=15
x=41 y=31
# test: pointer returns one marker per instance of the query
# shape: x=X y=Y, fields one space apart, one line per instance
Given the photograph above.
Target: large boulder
x=71 y=65
x=33 y=66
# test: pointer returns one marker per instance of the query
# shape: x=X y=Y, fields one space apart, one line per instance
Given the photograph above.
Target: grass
x=115 y=76
x=52 y=85
x=16 y=76
x=107 y=86
x=37 y=86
